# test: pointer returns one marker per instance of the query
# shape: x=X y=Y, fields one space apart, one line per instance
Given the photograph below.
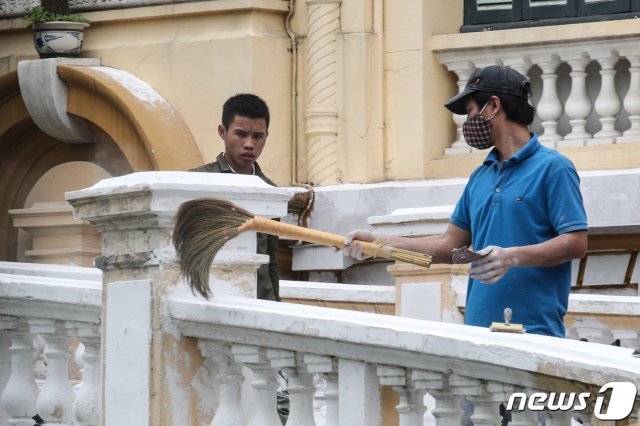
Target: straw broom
x=203 y=226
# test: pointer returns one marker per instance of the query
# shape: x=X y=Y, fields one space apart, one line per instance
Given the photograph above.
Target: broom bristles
x=202 y=227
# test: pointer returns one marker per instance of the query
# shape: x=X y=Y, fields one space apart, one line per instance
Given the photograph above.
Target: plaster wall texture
x=390 y=86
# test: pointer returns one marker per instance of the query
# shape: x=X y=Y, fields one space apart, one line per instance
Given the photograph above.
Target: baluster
x=411 y=407
x=19 y=396
x=632 y=102
x=608 y=103
x=55 y=402
x=485 y=407
x=87 y=406
x=264 y=384
x=463 y=70
x=447 y=411
x=549 y=106
x=578 y=105
x=300 y=387
x=327 y=367
x=229 y=412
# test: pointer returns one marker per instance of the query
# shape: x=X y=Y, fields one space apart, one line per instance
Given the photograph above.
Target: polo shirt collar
x=527 y=151
x=225 y=168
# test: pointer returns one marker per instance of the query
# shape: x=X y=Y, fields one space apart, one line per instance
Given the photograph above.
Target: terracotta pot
x=58 y=38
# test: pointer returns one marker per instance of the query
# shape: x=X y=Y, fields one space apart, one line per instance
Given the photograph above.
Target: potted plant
x=56 y=31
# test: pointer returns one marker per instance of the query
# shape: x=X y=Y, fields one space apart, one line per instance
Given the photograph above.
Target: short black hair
x=517 y=109
x=244 y=105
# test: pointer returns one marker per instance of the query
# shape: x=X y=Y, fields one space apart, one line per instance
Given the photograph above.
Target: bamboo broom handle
x=273 y=227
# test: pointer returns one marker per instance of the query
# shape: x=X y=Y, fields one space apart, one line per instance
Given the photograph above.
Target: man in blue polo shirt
x=522 y=208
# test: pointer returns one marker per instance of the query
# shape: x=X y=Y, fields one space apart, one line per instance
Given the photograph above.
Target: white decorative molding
x=45 y=97
x=322 y=98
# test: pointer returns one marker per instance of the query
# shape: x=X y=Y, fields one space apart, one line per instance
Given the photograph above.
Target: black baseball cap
x=493 y=79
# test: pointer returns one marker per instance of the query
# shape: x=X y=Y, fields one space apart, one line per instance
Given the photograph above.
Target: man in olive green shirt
x=244 y=130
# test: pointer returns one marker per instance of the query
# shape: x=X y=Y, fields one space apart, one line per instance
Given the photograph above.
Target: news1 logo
x=621 y=400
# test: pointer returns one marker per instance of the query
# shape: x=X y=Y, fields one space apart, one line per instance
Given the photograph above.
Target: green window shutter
x=548 y=9
x=491 y=11
x=603 y=7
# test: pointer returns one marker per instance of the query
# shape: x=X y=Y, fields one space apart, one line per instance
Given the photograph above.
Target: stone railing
x=59 y=307
x=306 y=343
x=586 y=91
x=171 y=358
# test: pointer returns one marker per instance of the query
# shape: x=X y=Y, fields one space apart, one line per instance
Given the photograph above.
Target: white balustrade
x=48 y=304
x=373 y=350
x=584 y=96
x=354 y=351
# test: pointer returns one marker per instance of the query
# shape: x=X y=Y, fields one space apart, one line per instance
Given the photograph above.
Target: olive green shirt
x=268 y=280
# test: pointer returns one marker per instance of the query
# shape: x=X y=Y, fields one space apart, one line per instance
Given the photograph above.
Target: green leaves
x=38 y=15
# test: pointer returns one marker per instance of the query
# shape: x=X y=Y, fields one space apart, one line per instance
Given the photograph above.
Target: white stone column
x=578 y=105
x=359 y=393
x=328 y=368
x=229 y=412
x=463 y=70
x=607 y=104
x=264 y=384
x=87 y=406
x=447 y=411
x=411 y=407
x=322 y=100
x=300 y=386
x=19 y=396
x=135 y=215
x=55 y=401
x=549 y=107
x=632 y=102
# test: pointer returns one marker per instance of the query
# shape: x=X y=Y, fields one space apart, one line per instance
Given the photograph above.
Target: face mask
x=477 y=130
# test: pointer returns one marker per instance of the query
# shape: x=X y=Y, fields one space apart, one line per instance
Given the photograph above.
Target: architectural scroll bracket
x=45 y=96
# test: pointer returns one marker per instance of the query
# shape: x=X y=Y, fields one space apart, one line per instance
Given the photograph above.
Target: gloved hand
x=351 y=246
x=491 y=268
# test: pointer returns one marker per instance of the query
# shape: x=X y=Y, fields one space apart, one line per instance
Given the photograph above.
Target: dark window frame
x=522 y=15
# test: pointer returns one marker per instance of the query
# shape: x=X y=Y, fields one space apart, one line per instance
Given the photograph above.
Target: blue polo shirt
x=531 y=198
